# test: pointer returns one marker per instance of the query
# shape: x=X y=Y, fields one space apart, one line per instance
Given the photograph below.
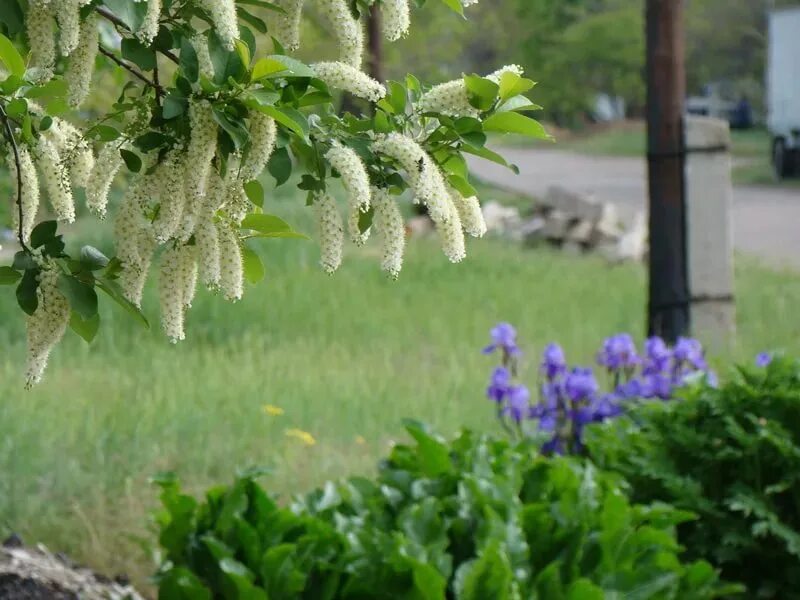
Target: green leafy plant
x=731 y=456
x=474 y=519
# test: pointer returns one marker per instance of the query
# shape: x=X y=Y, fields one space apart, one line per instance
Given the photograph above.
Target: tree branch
x=109 y=16
x=153 y=84
x=13 y=141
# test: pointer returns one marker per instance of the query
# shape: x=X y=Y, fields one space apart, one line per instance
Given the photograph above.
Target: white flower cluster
x=149 y=27
x=176 y=287
x=469 y=210
x=135 y=240
x=107 y=166
x=388 y=222
x=46 y=326
x=68 y=17
x=201 y=150
x=451 y=236
x=425 y=178
x=515 y=69
x=231 y=262
x=395 y=19
x=263 y=133
x=349 y=31
x=285 y=26
x=40 y=25
x=30 y=190
x=81 y=63
x=223 y=15
x=350 y=79
x=356 y=183
x=466 y=3
x=56 y=177
x=450 y=98
x=200 y=43
x=171 y=176
x=331 y=231
x=206 y=238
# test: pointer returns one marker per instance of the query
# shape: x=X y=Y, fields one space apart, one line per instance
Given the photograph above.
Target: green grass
x=344 y=356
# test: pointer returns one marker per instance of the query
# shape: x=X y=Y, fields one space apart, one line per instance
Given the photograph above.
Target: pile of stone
x=572 y=222
x=37 y=574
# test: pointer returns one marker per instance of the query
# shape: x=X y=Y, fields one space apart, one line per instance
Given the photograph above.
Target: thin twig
x=108 y=15
x=131 y=70
x=159 y=89
x=13 y=141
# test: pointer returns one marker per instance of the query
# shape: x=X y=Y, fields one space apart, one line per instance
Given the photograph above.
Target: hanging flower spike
x=200 y=153
x=450 y=98
x=107 y=166
x=47 y=325
x=149 y=28
x=68 y=16
x=231 y=280
x=56 y=177
x=208 y=254
x=285 y=26
x=263 y=134
x=170 y=293
x=171 y=176
x=388 y=222
x=451 y=236
x=356 y=183
x=345 y=77
x=30 y=190
x=40 y=25
x=223 y=15
x=81 y=64
x=469 y=210
x=395 y=19
x=348 y=30
x=189 y=272
x=331 y=231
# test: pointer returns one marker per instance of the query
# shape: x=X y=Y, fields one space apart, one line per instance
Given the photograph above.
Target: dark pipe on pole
x=669 y=305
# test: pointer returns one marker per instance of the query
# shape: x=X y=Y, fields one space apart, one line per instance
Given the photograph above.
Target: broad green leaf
x=104 y=133
x=17 y=108
x=254 y=270
x=243 y=51
x=267 y=66
x=9 y=276
x=112 y=289
x=583 y=589
x=282 y=576
x=482 y=91
x=139 y=54
x=512 y=85
x=280 y=166
x=81 y=296
x=455 y=6
x=132 y=160
x=252 y=20
x=174 y=106
x=287 y=117
x=263 y=223
x=11 y=57
x=86 y=328
x=462 y=185
x=488 y=576
x=179 y=583
x=233 y=126
x=227 y=63
x=130 y=12
x=293 y=66
x=188 y=61
x=26 y=292
x=511 y=122
x=43 y=233
x=255 y=192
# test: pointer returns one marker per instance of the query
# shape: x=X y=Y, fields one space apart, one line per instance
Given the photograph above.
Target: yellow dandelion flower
x=273 y=411
x=360 y=440
x=301 y=435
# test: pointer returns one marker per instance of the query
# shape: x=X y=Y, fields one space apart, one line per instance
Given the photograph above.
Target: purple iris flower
x=499 y=384
x=657 y=355
x=690 y=351
x=657 y=385
x=554 y=446
x=518 y=402
x=554 y=363
x=631 y=389
x=764 y=359
x=619 y=352
x=580 y=384
x=504 y=337
x=606 y=407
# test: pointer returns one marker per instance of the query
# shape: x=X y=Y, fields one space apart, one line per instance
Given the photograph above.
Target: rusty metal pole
x=375 y=43
x=669 y=294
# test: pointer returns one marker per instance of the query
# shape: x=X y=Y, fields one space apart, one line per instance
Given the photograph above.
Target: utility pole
x=375 y=43
x=669 y=294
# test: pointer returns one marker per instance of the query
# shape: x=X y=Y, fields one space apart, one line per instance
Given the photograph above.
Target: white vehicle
x=783 y=90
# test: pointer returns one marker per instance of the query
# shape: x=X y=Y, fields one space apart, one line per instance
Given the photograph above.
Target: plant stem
x=154 y=84
x=109 y=16
x=13 y=141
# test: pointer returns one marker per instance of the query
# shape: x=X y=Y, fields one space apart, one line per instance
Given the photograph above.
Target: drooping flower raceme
x=285 y=25
x=30 y=189
x=176 y=288
x=81 y=64
x=345 y=77
x=395 y=19
x=451 y=236
x=199 y=154
x=450 y=98
x=149 y=28
x=172 y=194
x=68 y=17
x=223 y=15
x=208 y=253
x=388 y=222
x=348 y=31
x=56 y=178
x=107 y=166
x=40 y=24
x=355 y=181
x=263 y=133
x=46 y=326
x=331 y=231
x=469 y=210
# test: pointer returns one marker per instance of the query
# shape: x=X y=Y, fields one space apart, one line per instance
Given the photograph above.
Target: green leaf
x=266 y=67
x=92 y=259
x=512 y=85
x=11 y=57
x=263 y=223
x=511 y=122
x=17 y=108
x=23 y=261
x=43 y=233
x=254 y=270
x=104 y=133
x=252 y=20
x=130 y=12
x=233 y=126
x=112 y=289
x=81 y=296
x=132 y=160
x=489 y=155
x=462 y=185
x=294 y=67
x=86 y=328
x=227 y=63
x=255 y=192
x=139 y=54
x=9 y=276
x=583 y=589
x=26 y=292
x=179 y=583
x=188 y=61
x=288 y=117
x=280 y=166
x=174 y=106
x=455 y=6
x=365 y=219
x=488 y=576
x=433 y=455
x=282 y=577
x=482 y=92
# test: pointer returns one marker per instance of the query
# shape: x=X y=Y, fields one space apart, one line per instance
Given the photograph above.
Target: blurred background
x=346 y=358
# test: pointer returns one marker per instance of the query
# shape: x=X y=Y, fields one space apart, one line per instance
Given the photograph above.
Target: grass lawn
x=346 y=357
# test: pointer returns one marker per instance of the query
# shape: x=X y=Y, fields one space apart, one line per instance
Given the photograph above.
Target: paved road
x=766 y=220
